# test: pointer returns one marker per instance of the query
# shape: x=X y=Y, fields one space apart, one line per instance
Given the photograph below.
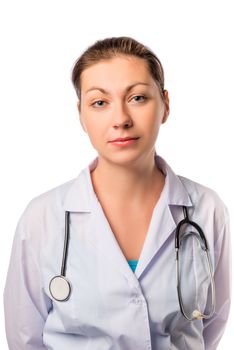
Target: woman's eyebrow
x=126 y=89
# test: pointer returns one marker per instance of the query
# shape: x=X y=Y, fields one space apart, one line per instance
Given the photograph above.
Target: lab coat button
x=137 y=300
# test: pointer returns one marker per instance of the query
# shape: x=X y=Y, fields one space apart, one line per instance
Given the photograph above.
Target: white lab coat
x=111 y=307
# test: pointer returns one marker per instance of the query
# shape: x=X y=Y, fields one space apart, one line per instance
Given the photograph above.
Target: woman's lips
x=126 y=142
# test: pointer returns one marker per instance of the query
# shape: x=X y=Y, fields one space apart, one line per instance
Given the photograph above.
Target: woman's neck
x=120 y=183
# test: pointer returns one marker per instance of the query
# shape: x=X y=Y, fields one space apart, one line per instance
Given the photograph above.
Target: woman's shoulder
x=198 y=189
x=203 y=196
x=52 y=196
x=46 y=205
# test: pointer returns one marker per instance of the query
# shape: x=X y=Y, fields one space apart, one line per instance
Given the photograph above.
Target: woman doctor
x=124 y=208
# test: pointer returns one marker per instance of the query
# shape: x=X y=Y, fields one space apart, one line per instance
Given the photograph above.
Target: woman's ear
x=80 y=117
x=78 y=106
x=166 y=106
x=83 y=125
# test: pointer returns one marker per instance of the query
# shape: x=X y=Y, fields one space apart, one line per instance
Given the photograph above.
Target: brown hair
x=117 y=46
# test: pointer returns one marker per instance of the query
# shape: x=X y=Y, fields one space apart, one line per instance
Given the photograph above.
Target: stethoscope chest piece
x=60 y=288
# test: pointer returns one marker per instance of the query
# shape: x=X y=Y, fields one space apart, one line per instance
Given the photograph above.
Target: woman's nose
x=121 y=116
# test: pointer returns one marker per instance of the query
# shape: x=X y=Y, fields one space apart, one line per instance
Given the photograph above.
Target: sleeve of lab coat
x=25 y=303
x=214 y=327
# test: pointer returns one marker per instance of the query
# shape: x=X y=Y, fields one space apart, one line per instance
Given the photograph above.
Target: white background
x=40 y=135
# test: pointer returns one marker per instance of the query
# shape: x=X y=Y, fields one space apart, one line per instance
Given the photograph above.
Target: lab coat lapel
x=162 y=225
x=103 y=238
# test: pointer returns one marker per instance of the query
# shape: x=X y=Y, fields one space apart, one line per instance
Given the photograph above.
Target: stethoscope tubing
x=66 y=242
x=186 y=220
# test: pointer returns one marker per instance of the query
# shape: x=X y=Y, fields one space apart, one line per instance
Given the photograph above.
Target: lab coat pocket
x=66 y=312
x=76 y=313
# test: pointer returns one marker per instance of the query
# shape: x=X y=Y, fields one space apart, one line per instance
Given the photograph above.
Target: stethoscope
x=196 y=314
x=60 y=287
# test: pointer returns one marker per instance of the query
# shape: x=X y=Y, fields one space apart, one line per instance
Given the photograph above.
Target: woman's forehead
x=120 y=71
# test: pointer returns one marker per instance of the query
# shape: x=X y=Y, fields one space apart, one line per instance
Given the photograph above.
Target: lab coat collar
x=81 y=196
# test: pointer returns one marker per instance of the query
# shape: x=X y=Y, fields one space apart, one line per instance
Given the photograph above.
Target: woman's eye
x=95 y=105
x=141 y=96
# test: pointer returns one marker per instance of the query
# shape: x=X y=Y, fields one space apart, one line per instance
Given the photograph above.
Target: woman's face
x=110 y=109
